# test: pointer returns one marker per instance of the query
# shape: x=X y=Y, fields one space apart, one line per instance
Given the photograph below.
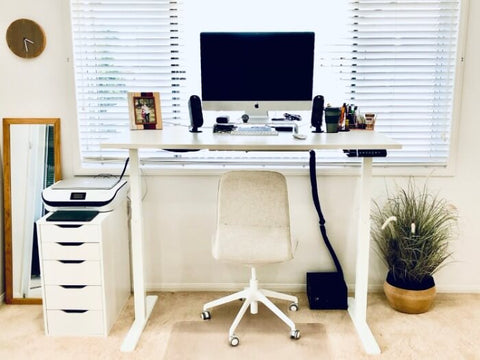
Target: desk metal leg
x=143 y=304
x=357 y=306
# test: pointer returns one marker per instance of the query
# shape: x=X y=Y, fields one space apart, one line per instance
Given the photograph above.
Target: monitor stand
x=256 y=116
x=258 y=119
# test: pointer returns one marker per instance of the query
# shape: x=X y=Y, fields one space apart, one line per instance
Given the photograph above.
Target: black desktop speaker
x=196 y=115
x=317 y=113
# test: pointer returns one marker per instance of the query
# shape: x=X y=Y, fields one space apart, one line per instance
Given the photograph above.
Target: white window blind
x=403 y=69
x=122 y=46
x=396 y=58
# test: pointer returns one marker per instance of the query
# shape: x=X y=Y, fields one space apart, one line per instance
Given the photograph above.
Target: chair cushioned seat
x=252 y=245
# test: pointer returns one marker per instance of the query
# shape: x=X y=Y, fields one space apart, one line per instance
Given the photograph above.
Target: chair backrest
x=253 y=219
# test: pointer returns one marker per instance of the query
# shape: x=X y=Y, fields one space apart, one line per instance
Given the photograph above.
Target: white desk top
x=181 y=138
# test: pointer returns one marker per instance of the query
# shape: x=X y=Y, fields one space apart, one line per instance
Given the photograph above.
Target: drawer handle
x=73 y=286
x=70 y=243
x=75 y=311
x=70 y=226
x=71 y=261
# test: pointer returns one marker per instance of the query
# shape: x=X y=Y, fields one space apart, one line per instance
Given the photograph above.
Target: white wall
x=179 y=207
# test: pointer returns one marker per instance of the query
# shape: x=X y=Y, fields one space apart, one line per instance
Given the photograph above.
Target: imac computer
x=257 y=72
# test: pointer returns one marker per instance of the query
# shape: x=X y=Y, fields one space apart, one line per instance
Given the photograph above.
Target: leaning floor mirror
x=31 y=162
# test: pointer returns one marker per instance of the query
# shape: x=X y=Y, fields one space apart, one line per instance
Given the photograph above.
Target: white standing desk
x=180 y=138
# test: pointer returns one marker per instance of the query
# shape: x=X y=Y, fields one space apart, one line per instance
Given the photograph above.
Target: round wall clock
x=26 y=38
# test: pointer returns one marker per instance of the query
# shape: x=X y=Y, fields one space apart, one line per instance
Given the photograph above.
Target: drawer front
x=71 y=272
x=70 y=233
x=73 y=297
x=85 y=323
x=70 y=251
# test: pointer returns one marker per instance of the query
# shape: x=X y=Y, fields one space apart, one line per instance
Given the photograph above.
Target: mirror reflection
x=31 y=163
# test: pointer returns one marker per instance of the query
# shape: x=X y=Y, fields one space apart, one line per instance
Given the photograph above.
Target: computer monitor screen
x=257 y=72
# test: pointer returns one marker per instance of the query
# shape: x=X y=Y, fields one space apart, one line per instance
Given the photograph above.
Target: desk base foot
x=131 y=340
x=364 y=332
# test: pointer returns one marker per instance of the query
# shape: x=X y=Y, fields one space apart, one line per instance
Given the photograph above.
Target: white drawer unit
x=72 y=232
x=75 y=322
x=72 y=272
x=74 y=297
x=71 y=250
x=85 y=271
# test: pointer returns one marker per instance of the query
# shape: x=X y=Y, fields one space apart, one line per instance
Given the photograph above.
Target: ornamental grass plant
x=412 y=231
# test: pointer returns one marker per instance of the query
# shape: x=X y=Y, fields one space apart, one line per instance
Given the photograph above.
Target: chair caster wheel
x=234 y=340
x=206 y=315
x=295 y=334
x=293 y=307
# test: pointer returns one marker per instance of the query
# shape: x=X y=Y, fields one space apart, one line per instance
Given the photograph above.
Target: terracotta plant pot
x=409 y=301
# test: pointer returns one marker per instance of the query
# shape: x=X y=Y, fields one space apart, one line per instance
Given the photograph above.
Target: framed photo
x=145 y=111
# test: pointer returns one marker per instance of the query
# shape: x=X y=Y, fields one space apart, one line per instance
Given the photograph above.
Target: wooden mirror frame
x=7 y=224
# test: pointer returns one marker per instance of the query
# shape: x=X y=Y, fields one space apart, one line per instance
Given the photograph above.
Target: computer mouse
x=299 y=136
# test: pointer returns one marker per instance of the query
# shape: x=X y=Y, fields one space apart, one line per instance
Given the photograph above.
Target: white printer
x=85 y=193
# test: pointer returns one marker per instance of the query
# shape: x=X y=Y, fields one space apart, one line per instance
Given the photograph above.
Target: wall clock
x=26 y=38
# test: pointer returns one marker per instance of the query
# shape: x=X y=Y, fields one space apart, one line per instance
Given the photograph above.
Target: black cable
x=316 y=201
x=124 y=169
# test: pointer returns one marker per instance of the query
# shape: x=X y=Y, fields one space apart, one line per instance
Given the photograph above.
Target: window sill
x=330 y=169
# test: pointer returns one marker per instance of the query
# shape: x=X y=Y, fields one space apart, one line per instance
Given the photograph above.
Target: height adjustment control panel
x=366 y=152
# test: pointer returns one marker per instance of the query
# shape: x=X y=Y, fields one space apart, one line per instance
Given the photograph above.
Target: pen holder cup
x=332 y=127
x=332 y=115
x=370 y=119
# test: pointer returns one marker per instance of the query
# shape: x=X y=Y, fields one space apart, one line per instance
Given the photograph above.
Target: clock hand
x=25 y=41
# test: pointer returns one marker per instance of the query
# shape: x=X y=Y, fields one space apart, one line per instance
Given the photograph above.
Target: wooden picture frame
x=15 y=145
x=144 y=111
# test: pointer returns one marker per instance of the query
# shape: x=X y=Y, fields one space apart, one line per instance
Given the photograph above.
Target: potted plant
x=412 y=231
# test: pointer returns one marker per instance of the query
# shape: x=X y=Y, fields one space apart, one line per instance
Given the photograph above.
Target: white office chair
x=253 y=228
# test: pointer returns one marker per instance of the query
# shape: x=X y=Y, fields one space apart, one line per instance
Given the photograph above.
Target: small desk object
x=179 y=138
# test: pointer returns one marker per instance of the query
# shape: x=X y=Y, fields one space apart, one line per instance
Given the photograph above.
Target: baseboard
x=458 y=289
x=230 y=287
x=444 y=289
x=222 y=287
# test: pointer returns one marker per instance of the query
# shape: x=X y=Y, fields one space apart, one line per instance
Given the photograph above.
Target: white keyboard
x=254 y=130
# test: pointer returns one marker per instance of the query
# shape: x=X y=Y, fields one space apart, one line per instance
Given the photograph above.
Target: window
x=403 y=69
x=396 y=58
x=122 y=46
